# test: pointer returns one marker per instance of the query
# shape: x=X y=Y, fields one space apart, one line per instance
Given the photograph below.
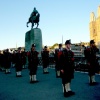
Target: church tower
x=95 y=27
x=98 y=25
x=98 y=12
x=93 y=34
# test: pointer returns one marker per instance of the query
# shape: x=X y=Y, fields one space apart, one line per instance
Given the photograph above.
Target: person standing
x=18 y=63
x=7 y=61
x=92 y=61
x=0 y=61
x=45 y=60
x=57 y=54
x=67 y=69
x=3 y=64
x=33 y=63
x=24 y=59
x=13 y=58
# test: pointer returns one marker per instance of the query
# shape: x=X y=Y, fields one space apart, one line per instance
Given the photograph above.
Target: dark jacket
x=33 y=59
x=67 y=62
x=45 y=57
x=18 y=61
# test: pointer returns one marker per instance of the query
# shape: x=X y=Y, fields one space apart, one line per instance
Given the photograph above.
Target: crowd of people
x=16 y=59
x=63 y=59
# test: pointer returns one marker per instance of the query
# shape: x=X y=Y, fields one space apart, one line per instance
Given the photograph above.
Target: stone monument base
x=33 y=36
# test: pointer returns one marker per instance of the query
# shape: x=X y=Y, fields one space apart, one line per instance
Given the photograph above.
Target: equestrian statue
x=34 y=18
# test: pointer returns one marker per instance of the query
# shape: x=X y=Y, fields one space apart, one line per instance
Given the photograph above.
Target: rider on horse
x=34 y=17
x=34 y=14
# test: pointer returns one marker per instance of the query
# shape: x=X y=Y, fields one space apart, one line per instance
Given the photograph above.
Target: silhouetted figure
x=0 y=61
x=33 y=64
x=23 y=59
x=67 y=69
x=7 y=56
x=13 y=58
x=92 y=61
x=45 y=60
x=18 y=63
x=57 y=55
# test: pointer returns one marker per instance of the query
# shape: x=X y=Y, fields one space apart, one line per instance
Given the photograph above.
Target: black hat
x=92 y=41
x=45 y=46
x=33 y=45
x=68 y=42
x=19 y=48
x=60 y=45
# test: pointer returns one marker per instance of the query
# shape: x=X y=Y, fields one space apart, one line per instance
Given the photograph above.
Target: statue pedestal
x=33 y=36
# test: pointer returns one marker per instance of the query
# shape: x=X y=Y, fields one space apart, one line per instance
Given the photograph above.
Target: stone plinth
x=33 y=36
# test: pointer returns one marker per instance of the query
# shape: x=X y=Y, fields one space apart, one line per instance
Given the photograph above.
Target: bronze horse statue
x=34 y=20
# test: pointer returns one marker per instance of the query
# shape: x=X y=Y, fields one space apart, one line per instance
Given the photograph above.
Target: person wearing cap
x=45 y=60
x=18 y=63
x=3 y=61
x=8 y=61
x=67 y=69
x=92 y=61
x=33 y=63
x=57 y=55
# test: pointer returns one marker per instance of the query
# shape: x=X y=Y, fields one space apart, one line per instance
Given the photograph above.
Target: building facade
x=94 y=26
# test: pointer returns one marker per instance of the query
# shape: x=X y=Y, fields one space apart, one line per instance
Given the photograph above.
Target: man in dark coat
x=57 y=54
x=18 y=62
x=0 y=61
x=45 y=60
x=92 y=61
x=3 y=61
x=13 y=58
x=7 y=56
x=67 y=69
x=33 y=63
x=24 y=59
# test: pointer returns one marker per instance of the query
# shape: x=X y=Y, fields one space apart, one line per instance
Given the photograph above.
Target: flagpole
x=62 y=39
x=16 y=45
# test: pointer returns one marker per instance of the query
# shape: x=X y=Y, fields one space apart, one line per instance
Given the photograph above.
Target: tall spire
x=16 y=45
x=98 y=12
x=62 y=39
x=92 y=17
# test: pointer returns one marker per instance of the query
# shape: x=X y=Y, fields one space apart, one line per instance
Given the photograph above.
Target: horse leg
x=32 y=25
x=37 y=25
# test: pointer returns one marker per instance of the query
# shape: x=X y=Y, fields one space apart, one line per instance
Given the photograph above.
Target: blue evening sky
x=69 y=18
